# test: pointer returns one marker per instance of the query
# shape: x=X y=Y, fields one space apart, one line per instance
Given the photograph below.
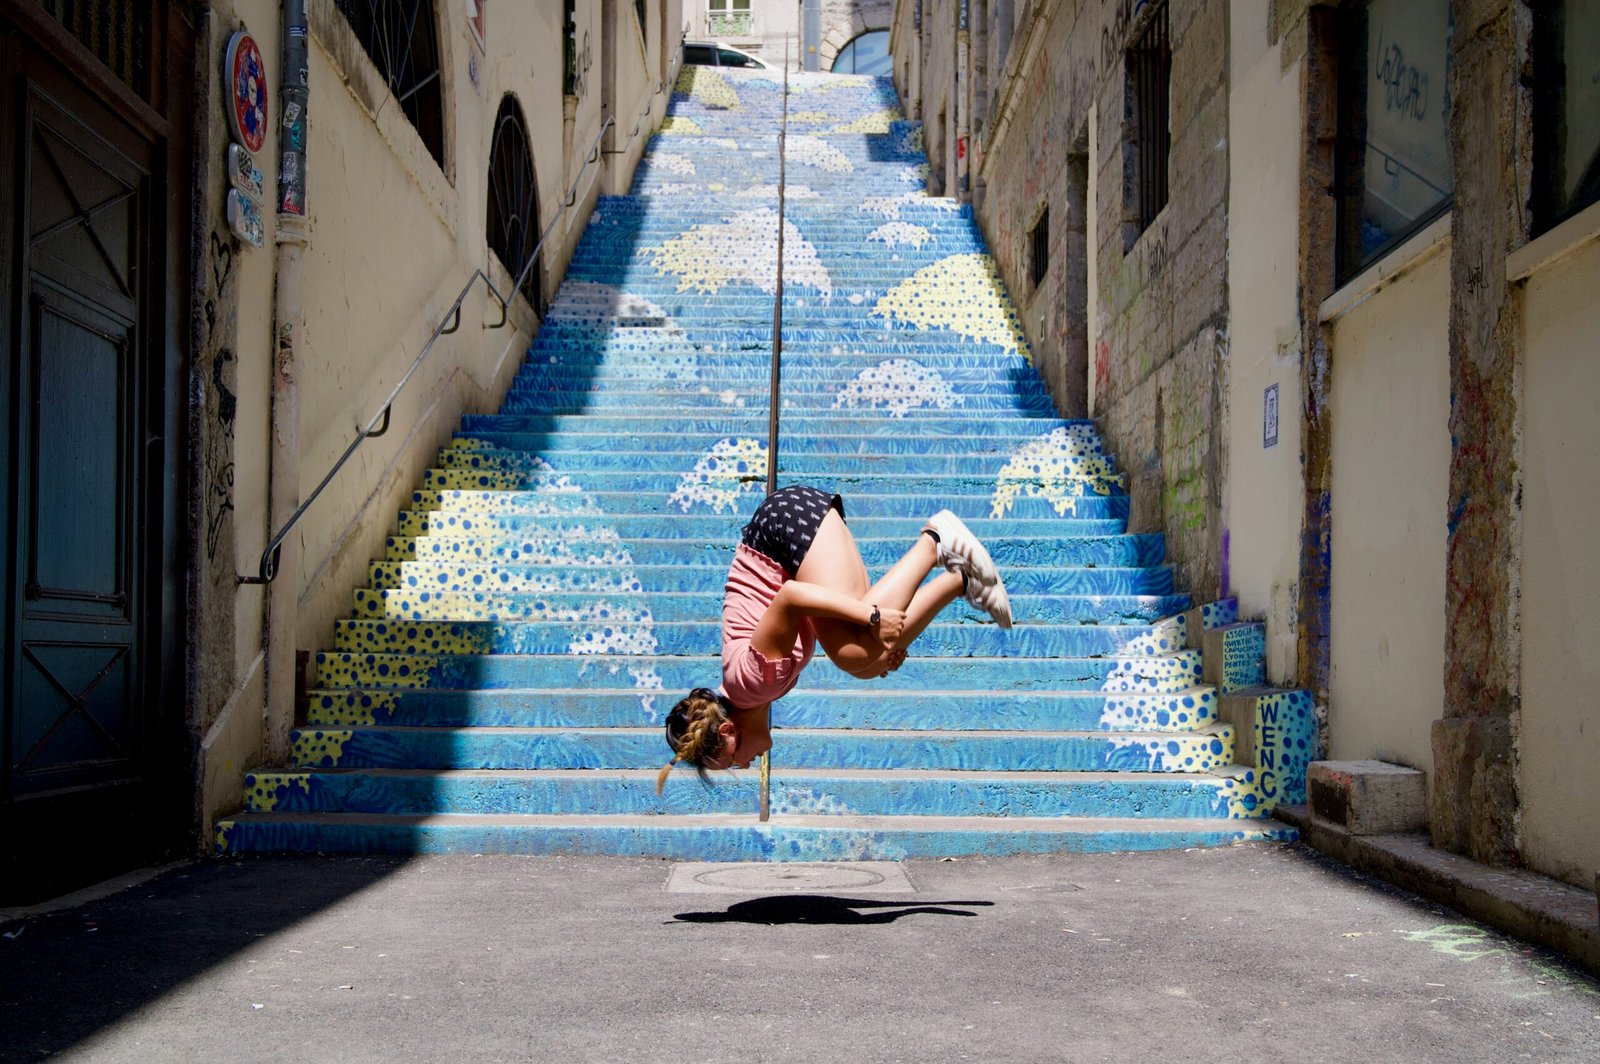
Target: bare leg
x=834 y=561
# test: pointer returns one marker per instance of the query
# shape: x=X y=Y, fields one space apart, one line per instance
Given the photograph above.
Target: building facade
x=205 y=311
x=812 y=33
x=1317 y=270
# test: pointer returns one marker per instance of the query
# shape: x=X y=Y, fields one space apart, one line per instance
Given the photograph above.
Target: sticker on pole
x=247 y=91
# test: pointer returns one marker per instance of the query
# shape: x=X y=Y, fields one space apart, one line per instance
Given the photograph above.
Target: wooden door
x=85 y=535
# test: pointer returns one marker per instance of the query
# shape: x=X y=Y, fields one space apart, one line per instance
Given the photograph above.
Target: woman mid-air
x=797 y=580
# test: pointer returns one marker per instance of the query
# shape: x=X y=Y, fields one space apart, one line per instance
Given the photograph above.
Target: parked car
x=707 y=53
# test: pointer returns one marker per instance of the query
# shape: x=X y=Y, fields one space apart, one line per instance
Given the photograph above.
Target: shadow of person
x=822 y=909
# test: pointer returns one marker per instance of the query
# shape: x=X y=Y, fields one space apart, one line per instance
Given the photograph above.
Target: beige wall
x=1390 y=457
x=1262 y=486
x=394 y=236
x=1560 y=732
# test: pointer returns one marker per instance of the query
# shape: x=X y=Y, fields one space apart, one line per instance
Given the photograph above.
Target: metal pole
x=772 y=397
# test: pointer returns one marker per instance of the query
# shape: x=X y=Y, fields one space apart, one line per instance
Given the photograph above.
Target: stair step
x=835 y=791
x=861 y=707
x=626 y=650
x=970 y=634
x=828 y=748
x=582 y=512
x=574 y=497
x=730 y=837
x=509 y=583
x=607 y=548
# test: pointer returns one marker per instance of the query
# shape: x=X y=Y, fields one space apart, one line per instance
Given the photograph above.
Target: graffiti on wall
x=221 y=397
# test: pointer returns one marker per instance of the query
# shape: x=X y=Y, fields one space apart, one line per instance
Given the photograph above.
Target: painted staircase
x=556 y=584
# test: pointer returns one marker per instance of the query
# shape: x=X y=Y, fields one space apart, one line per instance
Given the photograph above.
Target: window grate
x=116 y=31
x=513 y=214
x=1150 y=138
x=402 y=41
x=1039 y=241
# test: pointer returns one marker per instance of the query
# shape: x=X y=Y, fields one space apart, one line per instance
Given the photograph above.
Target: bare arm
x=779 y=627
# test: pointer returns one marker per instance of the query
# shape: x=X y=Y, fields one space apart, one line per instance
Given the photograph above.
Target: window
x=729 y=58
x=699 y=55
x=1039 y=242
x=1149 y=61
x=118 y=32
x=1394 y=173
x=1566 y=109
x=400 y=38
x=513 y=214
x=867 y=54
x=728 y=18
x=638 y=9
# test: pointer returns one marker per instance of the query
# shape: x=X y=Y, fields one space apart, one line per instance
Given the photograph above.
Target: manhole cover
x=876 y=877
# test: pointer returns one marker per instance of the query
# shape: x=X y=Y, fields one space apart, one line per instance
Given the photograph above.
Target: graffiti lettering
x=581 y=62
x=221 y=261
x=222 y=401
x=219 y=466
x=1405 y=86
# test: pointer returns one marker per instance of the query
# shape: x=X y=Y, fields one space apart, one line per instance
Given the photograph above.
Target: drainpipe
x=914 y=81
x=283 y=487
x=963 y=106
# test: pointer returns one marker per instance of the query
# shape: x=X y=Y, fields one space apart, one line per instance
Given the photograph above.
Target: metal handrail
x=378 y=424
x=765 y=810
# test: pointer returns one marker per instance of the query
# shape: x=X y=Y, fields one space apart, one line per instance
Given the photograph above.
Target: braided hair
x=692 y=731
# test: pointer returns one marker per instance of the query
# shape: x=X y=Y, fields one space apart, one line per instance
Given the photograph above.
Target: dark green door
x=83 y=520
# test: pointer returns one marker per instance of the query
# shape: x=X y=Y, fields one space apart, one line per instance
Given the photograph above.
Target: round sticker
x=247 y=91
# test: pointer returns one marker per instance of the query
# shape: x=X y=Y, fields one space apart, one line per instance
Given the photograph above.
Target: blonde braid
x=699 y=717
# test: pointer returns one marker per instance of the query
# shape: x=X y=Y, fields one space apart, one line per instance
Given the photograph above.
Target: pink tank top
x=748 y=678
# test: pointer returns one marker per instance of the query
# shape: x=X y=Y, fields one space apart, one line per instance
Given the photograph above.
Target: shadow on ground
x=820 y=909
x=66 y=975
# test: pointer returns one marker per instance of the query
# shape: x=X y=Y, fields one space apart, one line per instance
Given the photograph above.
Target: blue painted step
x=860 y=707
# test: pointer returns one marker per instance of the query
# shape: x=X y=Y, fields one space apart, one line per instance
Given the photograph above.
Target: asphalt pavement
x=1251 y=953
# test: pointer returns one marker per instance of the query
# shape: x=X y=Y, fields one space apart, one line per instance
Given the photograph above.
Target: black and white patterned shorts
x=786 y=522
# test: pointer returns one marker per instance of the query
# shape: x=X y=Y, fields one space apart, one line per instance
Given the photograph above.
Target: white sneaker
x=961 y=552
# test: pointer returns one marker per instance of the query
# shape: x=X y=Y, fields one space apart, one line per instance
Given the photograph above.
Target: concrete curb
x=1531 y=906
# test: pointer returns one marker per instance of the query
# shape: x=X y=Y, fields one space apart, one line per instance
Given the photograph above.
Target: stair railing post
x=772 y=397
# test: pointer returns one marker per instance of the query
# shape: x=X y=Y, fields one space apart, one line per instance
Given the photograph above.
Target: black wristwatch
x=876 y=617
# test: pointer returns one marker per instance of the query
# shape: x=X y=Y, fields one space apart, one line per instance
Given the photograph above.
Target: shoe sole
x=980 y=561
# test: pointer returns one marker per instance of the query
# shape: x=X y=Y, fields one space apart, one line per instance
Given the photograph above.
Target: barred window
x=513 y=215
x=1394 y=170
x=1149 y=62
x=1566 y=109
x=402 y=40
x=1039 y=242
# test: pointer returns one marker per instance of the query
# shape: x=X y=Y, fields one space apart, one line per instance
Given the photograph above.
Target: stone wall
x=1159 y=326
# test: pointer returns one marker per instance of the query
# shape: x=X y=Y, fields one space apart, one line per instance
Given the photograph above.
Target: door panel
x=86 y=777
